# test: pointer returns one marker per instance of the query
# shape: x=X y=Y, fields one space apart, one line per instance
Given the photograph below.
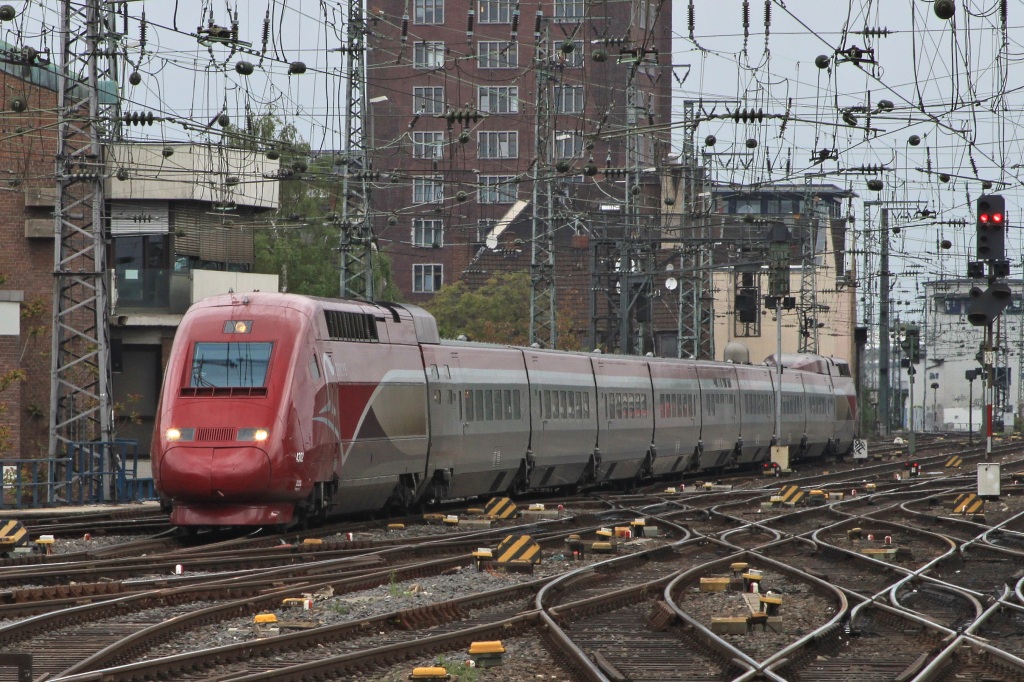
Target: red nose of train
x=228 y=473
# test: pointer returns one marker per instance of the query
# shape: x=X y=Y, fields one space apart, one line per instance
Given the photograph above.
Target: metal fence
x=91 y=473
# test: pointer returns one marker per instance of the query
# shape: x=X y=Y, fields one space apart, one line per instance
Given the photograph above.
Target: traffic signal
x=911 y=344
x=985 y=306
x=914 y=338
x=991 y=227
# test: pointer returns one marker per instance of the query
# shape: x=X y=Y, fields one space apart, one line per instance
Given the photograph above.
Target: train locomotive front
x=228 y=448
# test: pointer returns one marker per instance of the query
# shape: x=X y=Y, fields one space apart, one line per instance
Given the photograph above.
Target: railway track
x=928 y=610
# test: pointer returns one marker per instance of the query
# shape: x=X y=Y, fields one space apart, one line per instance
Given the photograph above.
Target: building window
x=572 y=59
x=428 y=100
x=497 y=145
x=497 y=54
x=569 y=99
x=428 y=55
x=427 y=278
x=570 y=10
x=498 y=189
x=429 y=190
x=427 y=145
x=428 y=232
x=568 y=145
x=429 y=12
x=498 y=99
x=495 y=12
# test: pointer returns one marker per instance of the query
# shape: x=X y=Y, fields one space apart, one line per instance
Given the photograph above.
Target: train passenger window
x=506 y=404
x=572 y=404
x=488 y=405
x=229 y=365
x=468 y=399
x=563 y=409
x=314 y=368
x=516 y=410
x=478 y=405
x=546 y=404
x=433 y=372
x=499 y=413
x=643 y=405
x=437 y=396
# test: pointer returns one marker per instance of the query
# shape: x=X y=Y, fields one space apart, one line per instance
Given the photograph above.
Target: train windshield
x=229 y=365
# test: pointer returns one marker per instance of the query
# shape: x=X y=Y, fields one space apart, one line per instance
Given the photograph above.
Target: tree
x=498 y=312
x=301 y=243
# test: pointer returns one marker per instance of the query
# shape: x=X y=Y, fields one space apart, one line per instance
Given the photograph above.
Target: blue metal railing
x=90 y=473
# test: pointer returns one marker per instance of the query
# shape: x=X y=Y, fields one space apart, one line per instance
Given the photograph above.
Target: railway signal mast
x=911 y=346
x=987 y=305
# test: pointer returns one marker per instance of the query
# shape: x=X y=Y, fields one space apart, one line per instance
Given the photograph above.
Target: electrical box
x=780 y=456
x=988 y=480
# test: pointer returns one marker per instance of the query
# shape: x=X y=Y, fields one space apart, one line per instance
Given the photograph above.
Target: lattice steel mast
x=542 y=252
x=80 y=397
x=356 y=244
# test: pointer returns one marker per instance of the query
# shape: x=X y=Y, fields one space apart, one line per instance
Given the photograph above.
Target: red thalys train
x=278 y=408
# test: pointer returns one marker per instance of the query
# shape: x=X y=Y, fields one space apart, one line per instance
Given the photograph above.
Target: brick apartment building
x=454 y=198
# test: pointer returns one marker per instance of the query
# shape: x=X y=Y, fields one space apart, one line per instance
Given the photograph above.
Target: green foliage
x=461 y=671
x=6 y=379
x=498 y=312
x=301 y=243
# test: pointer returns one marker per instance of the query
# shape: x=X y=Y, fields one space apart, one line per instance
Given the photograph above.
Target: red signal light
x=997 y=218
x=983 y=218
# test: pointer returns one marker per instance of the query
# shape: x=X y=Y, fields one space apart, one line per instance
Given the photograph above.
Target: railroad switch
x=430 y=674
x=266 y=625
x=816 y=498
x=714 y=584
x=486 y=654
x=481 y=557
x=639 y=527
x=771 y=605
x=396 y=526
x=608 y=547
x=45 y=543
x=574 y=545
x=756 y=619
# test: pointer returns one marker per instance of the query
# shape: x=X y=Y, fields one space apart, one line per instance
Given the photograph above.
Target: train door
x=446 y=417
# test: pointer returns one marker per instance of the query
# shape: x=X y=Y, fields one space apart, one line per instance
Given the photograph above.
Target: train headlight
x=254 y=434
x=175 y=435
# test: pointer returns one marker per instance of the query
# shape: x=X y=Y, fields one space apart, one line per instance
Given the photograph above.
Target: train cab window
x=314 y=369
x=230 y=365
